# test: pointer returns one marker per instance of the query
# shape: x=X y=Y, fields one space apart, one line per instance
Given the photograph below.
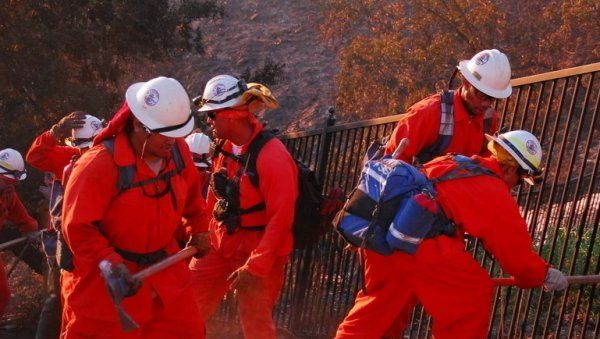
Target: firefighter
x=52 y=152
x=453 y=122
x=199 y=144
x=453 y=288
x=143 y=182
x=456 y=124
x=251 y=229
x=12 y=170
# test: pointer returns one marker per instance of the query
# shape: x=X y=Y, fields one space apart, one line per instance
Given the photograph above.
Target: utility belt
x=143 y=259
x=227 y=209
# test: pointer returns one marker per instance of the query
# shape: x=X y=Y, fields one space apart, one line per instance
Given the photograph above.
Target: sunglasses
x=213 y=114
x=78 y=142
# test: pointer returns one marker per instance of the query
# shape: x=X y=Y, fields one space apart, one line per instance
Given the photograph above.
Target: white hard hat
x=199 y=144
x=12 y=165
x=523 y=146
x=489 y=71
x=162 y=106
x=83 y=137
x=222 y=91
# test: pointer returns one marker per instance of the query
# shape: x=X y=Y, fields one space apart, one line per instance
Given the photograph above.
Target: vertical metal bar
x=551 y=194
x=563 y=195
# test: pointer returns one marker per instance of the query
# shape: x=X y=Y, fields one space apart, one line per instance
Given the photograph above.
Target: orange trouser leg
x=4 y=291
x=386 y=294
x=177 y=320
x=173 y=321
x=458 y=296
x=256 y=305
x=400 y=323
x=209 y=282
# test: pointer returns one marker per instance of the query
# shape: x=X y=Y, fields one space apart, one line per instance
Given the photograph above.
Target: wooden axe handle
x=572 y=279
x=161 y=265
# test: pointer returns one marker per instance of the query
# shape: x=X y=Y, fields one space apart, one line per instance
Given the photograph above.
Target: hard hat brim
x=211 y=106
x=510 y=151
x=137 y=110
x=498 y=94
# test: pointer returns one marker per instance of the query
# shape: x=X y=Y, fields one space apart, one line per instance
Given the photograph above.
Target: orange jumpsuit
x=264 y=253
x=11 y=209
x=453 y=288
x=97 y=220
x=47 y=155
x=421 y=125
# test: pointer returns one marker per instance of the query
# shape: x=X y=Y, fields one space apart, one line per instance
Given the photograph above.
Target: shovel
x=127 y=322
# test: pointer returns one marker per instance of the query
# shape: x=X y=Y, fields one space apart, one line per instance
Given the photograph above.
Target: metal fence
x=561 y=108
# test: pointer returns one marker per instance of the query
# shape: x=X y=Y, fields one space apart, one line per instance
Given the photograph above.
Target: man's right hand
x=555 y=281
x=72 y=121
x=202 y=242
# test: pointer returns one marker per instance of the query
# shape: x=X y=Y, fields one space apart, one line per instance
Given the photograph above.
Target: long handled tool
x=127 y=322
x=572 y=279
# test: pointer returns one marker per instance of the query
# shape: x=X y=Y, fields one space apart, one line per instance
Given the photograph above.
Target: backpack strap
x=446 y=130
x=253 y=150
x=125 y=180
x=466 y=168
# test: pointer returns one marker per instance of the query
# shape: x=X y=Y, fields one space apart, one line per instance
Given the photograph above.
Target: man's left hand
x=243 y=280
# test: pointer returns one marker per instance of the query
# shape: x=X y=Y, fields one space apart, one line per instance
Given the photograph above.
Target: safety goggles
x=78 y=142
x=200 y=159
x=18 y=175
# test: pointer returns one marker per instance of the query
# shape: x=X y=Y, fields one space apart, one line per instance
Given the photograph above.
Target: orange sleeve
x=420 y=124
x=194 y=214
x=88 y=194
x=483 y=207
x=279 y=187
x=45 y=154
x=18 y=215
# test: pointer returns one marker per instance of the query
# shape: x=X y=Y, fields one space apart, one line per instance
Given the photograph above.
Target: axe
x=572 y=279
x=116 y=293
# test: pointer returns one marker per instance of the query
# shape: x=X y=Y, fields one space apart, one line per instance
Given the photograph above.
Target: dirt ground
x=27 y=295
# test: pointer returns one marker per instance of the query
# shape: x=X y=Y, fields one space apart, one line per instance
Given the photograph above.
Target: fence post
x=301 y=285
x=324 y=148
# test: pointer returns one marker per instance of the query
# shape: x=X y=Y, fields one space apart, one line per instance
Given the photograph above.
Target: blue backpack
x=394 y=207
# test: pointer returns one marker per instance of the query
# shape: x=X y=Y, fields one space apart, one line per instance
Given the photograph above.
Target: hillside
x=283 y=30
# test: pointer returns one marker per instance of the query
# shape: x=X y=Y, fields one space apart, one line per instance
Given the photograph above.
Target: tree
x=395 y=52
x=59 y=56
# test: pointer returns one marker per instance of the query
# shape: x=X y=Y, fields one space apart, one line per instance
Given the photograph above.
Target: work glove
x=63 y=128
x=555 y=281
x=242 y=280
x=126 y=284
x=202 y=242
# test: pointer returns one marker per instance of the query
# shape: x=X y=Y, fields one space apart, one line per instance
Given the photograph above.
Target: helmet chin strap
x=148 y=135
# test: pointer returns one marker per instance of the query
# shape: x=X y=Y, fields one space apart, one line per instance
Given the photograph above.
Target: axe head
x=117 y=294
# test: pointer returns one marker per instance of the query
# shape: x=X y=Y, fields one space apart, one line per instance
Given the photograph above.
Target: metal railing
x=561 y=108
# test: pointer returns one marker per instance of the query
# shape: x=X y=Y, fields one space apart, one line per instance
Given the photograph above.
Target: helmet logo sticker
x=96 y=125
x=4 y=156
x=482 y=59
x=152 y=97
x=531 y=147
x=219 y=89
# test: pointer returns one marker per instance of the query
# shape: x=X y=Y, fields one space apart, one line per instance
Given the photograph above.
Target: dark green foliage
x=270 y=73
x=59 y=56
